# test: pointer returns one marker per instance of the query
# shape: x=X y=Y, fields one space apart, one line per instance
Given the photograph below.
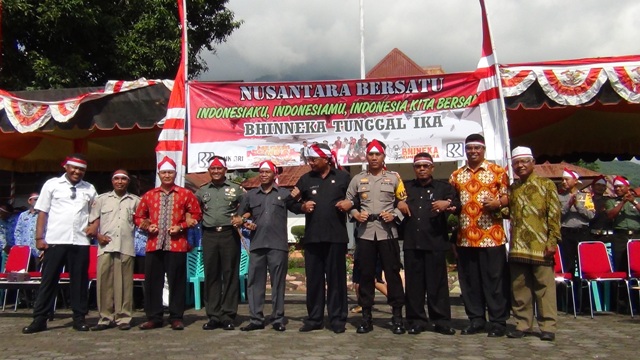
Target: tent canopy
x=117 y=130
x=577 y=109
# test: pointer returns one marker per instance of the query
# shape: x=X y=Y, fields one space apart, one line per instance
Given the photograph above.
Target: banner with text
x=250 y=122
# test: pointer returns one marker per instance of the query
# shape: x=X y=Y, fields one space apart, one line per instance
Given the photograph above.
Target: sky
x=320 y=39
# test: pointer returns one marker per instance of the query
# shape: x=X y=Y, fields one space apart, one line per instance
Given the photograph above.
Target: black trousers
x=221 y=252
x=571 y=237
x=483 y=277
x=156 y=265
x=389 y=253
x=326 y=263
x=76 y=259
x=619 y=250
x=426 y=274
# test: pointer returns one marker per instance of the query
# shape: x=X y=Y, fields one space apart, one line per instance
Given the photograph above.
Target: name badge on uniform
x=364 y=180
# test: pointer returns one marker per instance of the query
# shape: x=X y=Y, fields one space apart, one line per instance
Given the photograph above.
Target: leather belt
x=626 y=232
x=574 y=230
x=601 y=232
x=217 y=228
x=374 y=217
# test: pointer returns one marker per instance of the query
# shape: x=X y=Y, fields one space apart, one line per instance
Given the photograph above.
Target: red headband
x=320 y=152
x=374 y=146
x=219 y=162
x=619 y=180
x=267 y=164
x=167 y=164
x=74 y=161
x=569 y=173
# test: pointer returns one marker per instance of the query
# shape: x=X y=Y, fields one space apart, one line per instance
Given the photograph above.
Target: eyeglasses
x=422 y=166
x=73 y=193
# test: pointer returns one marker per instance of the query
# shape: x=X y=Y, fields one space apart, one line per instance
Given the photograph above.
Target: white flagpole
x=362 y=68
x=503 y=108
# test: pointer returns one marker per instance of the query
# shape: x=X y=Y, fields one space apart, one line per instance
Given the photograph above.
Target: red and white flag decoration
x=171 y=141
x=494 y=118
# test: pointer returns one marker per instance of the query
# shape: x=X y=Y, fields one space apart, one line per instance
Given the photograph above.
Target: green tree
x=593 y=166
x=75 y=43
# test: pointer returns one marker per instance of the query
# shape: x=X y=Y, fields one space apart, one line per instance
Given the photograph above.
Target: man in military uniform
x=577 y=211
x=377 y=234
x=219 y=200
x=623 y=211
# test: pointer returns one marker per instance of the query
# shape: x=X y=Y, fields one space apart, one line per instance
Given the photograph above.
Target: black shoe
x=80 y=326
x=364 y=327
x=309 y=327
x=444 y=330
x=279 y=327
x=547 y=336
x=338 y=329
x=416 y=329
x=124 y=326
x=228 y=325
x=252 y=327
x=472 y=329
x=211 y=325
x=100 y=327
x=497 y=331
x=35 y=327
x=516 y=334
x=397 y=328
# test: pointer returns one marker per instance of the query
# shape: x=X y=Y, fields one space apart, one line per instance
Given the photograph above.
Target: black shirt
x=326 y=223
x=426 y=230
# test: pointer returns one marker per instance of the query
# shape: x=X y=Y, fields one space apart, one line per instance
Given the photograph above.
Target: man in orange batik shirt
x=482 y=187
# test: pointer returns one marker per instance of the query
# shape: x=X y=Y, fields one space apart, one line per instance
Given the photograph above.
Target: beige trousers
x=115 y=288
x=528 y=281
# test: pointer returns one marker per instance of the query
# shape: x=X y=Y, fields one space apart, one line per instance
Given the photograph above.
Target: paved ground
x=607 y=336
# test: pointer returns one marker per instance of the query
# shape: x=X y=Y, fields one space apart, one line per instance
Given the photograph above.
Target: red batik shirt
x=479 y=228
x=167 y=210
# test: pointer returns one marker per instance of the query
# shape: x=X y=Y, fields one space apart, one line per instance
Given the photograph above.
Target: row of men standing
x=374 y=201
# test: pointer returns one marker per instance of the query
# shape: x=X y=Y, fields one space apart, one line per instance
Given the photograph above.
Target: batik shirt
x=535 y=212
x=167 y=210
x=480 y=228
x=25 y=232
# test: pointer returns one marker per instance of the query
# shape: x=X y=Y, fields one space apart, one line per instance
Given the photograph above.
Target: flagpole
x=503 y=109
x=184 y=54
x=362 y=68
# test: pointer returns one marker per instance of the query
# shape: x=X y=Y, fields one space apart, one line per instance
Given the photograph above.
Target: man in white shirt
x=62 y=233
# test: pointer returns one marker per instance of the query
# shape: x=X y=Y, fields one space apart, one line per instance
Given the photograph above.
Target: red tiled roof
x=554 y=171
x=396 y=63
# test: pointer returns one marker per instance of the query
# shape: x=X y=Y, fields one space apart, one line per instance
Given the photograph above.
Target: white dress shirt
x=67 y=217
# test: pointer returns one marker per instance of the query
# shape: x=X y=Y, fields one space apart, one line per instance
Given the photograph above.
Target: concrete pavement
x=608 y=336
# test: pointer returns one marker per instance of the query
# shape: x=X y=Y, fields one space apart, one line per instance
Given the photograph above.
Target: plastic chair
x=633 y=258
x=595 y=266
x=565 y=278
x=195 y=275
x=244 y=274
x=17 y=261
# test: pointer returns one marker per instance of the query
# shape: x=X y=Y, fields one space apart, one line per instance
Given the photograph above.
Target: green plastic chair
x=244 y=274
x=195 y=275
